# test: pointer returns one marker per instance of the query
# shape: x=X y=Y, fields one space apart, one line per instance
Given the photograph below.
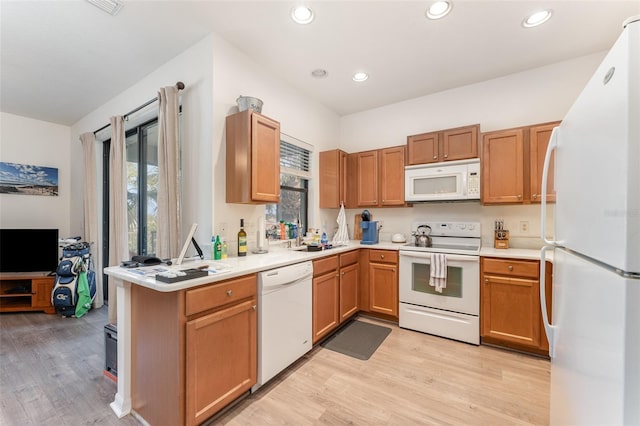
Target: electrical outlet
x=524 y=227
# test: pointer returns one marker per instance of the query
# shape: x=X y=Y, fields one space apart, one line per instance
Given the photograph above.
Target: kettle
x=422 y=238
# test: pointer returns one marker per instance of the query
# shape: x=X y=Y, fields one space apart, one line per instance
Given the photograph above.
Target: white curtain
x=91 y=235
x=168 y=218
x=118 y=236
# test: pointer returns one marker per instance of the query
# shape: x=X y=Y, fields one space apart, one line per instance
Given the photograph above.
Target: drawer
x=386 y=256
x=324 y=265
x=212 y=296
x=511 y=267
x=349 y=258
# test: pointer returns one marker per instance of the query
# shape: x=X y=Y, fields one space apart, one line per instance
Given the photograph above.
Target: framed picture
x=26 y=179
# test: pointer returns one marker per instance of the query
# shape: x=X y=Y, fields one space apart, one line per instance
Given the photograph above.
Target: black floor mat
x=357 y=339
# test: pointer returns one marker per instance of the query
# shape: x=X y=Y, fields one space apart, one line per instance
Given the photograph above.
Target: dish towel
x=341 y=236
x=438 y=275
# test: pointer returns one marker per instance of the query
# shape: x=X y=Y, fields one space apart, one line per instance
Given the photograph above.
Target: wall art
x=28 y=180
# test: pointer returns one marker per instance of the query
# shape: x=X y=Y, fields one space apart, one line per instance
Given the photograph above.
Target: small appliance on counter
x=369 y=229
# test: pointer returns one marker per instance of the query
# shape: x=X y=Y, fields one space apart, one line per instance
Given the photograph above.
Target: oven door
x=462 y=293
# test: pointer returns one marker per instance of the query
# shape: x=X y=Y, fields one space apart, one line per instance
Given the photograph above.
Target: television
x=28 y=250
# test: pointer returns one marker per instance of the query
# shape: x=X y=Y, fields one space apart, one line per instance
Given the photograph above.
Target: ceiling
x=59 y=60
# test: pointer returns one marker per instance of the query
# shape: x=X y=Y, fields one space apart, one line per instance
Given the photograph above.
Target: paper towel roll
x=261 y=234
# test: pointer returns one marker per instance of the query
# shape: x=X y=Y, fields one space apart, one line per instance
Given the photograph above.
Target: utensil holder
x=501 y=239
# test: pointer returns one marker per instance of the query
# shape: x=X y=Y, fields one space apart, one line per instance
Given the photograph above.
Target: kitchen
x=518 y=99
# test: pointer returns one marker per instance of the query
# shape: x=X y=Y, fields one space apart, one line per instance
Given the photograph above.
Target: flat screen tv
x=28 y=250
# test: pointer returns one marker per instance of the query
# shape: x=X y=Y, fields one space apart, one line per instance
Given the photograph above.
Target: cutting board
x=357 y=231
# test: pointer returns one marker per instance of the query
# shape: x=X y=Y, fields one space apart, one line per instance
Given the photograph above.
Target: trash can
x=111 y=351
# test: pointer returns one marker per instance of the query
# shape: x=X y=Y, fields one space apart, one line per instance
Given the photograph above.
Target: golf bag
x=74 y=274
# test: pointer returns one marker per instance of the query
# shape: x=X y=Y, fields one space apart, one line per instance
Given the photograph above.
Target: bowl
x=398 y=238
x=247 y=102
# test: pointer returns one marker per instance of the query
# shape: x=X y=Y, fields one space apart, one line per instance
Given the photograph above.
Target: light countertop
x=276 y=258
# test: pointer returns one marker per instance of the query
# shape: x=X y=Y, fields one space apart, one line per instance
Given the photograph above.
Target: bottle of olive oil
x=242 y=240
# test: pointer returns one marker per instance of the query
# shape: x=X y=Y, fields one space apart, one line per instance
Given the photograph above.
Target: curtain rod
x=179 y=86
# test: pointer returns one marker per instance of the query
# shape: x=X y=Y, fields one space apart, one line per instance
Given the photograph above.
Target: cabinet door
x=422 y=149
x=333 y=179
x=511 y=310
x=367 y=178
x=221 y=359
x=460 y=143
x=265 y=159
x=502 y=167
x=538 y=142
x=392 y=176
x=383 y=293
x=326 y=296
x=41 y=292
x=348 y=291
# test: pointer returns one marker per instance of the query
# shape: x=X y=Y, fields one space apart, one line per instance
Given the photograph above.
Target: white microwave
x=449 y=181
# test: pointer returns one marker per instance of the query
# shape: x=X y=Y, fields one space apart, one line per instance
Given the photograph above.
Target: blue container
x=369 y=232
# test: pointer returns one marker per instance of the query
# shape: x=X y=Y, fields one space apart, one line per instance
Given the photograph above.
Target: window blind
x=295 y=160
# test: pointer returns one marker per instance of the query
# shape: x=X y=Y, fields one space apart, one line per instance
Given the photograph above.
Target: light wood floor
x=51 y=373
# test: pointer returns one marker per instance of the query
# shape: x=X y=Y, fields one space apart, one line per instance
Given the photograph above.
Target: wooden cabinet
x=21 y=292
x=380 y=177
x=446 y=145
x=383 y=282
x=326 y=297
x=512 y=163
x=335 y=292
x=349 y=284
x=333 y=179
x=193 y=351
x=510 y=304
x=253 y=158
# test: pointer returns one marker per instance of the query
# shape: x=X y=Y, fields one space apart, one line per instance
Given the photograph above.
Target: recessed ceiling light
x=360 y=76
x=319 y=73
x=537 y=18
x=302 y=14
x=439 y=9
x=112 y=7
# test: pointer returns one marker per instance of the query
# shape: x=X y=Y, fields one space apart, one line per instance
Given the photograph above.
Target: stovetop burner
x=450 y=237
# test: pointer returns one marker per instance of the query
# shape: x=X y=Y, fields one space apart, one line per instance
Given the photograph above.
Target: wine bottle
x=242 y=240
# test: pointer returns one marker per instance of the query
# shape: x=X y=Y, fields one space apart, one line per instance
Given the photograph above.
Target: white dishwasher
x=284 y=318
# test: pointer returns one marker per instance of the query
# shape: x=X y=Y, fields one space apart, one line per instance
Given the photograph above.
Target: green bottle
x=217 y=253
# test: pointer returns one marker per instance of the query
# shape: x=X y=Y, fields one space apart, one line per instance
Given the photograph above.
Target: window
x=294 y=187
x=142 y=187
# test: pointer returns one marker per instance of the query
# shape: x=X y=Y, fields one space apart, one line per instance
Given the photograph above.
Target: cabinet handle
x=519 y=196
x=486 y=280
x=534 y=196
x=510 y=268
x=393 y=269
x=446 y=156
x=229 y=292
x=382 y=256
x=253 y=307
x=435 y=157
x=337 y=275
x=342 y=273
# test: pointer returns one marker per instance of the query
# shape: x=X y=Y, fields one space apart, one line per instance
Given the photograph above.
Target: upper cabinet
x=363 y=179
x=380 y=177
x=253 y=158
x=446 y=145
x=512 y=162
x=333 y=179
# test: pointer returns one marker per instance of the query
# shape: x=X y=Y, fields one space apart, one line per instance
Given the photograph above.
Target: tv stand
x=26 y=291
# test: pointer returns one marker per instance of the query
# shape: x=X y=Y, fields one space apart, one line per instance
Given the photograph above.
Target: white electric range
x=454 y=311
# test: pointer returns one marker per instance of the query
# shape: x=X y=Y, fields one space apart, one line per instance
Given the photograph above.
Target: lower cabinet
x=383 y=282
x=510 y=304
x=193 y=351
x=335 y=292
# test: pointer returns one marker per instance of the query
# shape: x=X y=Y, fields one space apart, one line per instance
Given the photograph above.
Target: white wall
x=535 y=96
x=236 y=74
x=40 y=143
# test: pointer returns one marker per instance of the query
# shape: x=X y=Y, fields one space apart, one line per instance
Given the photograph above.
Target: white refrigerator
x=594 y=335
